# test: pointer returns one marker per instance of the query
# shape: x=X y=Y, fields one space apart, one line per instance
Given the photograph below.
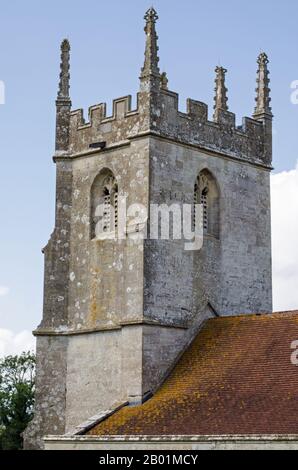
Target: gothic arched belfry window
x=207 y=195
x=104 y=204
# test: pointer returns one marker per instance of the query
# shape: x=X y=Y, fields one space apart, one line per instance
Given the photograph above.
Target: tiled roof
x=236 y=378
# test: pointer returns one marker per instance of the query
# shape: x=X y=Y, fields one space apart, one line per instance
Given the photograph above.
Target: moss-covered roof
x=237 y=377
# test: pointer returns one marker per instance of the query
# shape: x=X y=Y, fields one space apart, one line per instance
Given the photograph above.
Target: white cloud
x=284 y=199
x=15 y=343
x=3 y=291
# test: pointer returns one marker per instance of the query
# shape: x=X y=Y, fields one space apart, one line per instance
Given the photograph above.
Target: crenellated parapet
x=245 y=142
x=157 y=113
x=112 y=129
x=164 y=119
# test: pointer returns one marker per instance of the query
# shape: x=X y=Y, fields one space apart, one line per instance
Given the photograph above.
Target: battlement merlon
x=157 y=113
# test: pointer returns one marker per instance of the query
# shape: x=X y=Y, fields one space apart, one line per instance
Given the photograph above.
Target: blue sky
x=107 y=41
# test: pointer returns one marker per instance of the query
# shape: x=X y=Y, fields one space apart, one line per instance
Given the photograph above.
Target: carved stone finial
x=164 y=81
x=221 y=98
x=150 y=74
x=151 y=15
x=63 y=102
x=263 y=91
x=63 y=91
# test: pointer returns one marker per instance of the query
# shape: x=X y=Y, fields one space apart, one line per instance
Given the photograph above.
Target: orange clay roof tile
x=236 y=378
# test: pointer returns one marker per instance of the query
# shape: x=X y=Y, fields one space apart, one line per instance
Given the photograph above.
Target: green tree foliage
x=17 y=379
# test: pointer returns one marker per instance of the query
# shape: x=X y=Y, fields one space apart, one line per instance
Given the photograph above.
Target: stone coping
x=173 y=438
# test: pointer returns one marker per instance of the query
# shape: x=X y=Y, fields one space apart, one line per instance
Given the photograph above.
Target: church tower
x=121 y=300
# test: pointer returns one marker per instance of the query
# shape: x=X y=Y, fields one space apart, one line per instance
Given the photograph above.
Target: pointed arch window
x=104 y=204
x=207 y=195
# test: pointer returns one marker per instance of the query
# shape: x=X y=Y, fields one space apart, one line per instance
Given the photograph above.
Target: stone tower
x=118 y=312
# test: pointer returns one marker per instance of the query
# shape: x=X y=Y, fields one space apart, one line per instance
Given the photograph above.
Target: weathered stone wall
x=57 y=253
x=117 y=314
x=51 y=354
x=161 y=346
x=232 y=272
x=94 y=375
x=106 y=286
x=102 y=284
x=91 y=285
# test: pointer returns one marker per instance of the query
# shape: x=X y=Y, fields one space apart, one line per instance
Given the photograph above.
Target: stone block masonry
x=118 y=313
